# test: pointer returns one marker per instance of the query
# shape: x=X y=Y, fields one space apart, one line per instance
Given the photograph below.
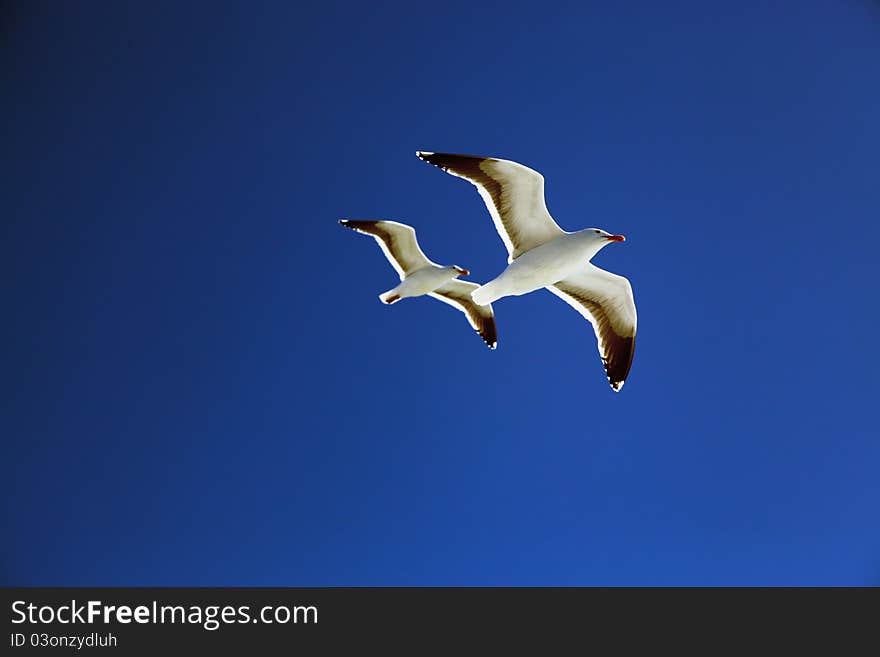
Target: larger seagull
x=541 y=254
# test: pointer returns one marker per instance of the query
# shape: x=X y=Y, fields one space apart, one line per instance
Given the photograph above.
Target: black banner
x=135 y=620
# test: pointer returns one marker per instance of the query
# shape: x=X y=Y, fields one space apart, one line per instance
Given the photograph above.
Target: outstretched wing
x=514 y=196
x=482 y=318
x=606 y=301
x=398 y=243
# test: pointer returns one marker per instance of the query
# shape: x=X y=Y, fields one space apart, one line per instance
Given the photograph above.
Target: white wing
x=482 y=318
x=514 y=196
x=606 y=301
x=398 y=243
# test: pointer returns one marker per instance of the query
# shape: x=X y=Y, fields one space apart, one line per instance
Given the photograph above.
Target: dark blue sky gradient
x=201 y=387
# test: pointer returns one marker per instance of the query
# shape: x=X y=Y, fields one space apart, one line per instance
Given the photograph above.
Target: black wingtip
x=357 y=224
x=437 y=159
x=490 y=336
x=459 y=164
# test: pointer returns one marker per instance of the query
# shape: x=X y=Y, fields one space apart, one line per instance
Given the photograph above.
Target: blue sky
x=201 y=387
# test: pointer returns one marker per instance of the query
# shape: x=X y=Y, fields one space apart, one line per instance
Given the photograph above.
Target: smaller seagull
x=420 y=276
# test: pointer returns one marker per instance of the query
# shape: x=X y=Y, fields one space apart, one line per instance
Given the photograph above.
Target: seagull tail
x=485 y=294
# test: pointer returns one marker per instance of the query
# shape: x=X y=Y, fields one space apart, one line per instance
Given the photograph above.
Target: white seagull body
x=542 y=255
x=420 y=276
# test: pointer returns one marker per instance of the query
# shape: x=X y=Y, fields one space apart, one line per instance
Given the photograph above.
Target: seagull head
x=460 y=271
x=604 y=237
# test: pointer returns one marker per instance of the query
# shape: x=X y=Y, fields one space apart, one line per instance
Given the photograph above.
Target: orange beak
x=464 y=272
x=616 y=238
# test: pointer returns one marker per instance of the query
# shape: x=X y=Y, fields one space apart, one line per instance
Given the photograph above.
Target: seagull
x=542 y=255
x=420 y=276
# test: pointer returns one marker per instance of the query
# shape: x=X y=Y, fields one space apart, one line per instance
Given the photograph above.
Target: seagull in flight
x=419 y=276
x=542 y=255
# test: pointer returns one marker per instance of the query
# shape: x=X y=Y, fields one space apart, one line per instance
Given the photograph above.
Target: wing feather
x=606 y=301
x=482 y=318
x=513 y=194
x=397 y=241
